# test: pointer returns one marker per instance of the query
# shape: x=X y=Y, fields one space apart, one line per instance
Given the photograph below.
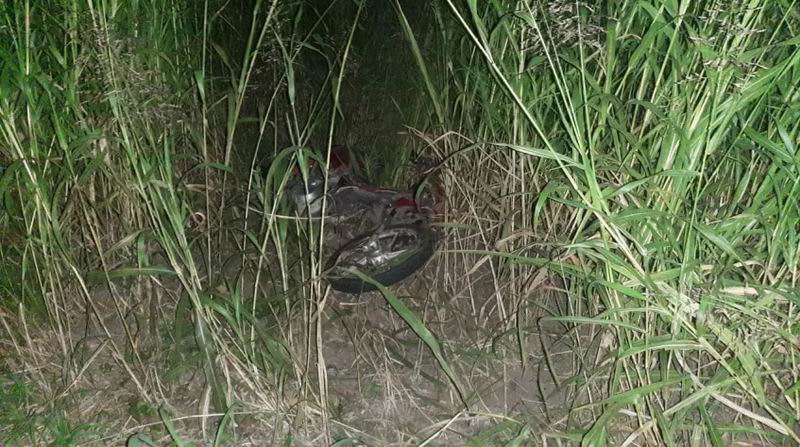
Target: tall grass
x=652 y=147
x=86 y=118
x=638 y=156
x=119 y=134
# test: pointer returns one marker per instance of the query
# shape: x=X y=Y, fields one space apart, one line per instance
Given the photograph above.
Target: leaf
x=666 y=343
x=291 y=88
x=124 y=242
x=217 y=166
x=652 y=108
x=486 y=437
x=627 y=291
x=421 y=65
x=596 y=321
x=551 y=188
x=711 y=427
x=794 y=41
x=716 y=239
x=788 y=142
x=775 y=150
x=129 y=272
x=598 y=433
x=630 y=186
x=141 y=440
x=419 y=328
x=208 y=348
x=223 y=424
x=518 y=440
x=199 y=78
x=223 y=56
x=166 y=419
x=542 y=153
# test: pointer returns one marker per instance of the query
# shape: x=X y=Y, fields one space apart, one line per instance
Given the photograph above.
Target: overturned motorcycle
x=382 y=233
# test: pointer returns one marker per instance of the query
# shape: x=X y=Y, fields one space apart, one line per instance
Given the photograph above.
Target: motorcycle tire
x=386 y=273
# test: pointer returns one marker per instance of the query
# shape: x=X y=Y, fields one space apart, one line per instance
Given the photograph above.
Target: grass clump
x=652 y=145
x=111 y=194
x=24 y=423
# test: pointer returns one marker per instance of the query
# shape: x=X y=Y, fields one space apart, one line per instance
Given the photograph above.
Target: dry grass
x=618 y=254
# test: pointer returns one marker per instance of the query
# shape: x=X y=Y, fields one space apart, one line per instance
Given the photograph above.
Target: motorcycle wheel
x=388 y=255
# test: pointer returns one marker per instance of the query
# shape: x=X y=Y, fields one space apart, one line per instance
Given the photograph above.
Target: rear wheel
x=388 y=255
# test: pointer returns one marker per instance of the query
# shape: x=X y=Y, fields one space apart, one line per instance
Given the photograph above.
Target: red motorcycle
x=383 y=233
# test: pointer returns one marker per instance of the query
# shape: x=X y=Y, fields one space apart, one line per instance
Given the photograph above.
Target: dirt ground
x=384 y=386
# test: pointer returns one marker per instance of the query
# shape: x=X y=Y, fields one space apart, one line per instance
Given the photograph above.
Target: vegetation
x=619 y=261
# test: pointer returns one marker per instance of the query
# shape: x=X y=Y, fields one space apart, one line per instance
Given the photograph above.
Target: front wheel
x=388 y=255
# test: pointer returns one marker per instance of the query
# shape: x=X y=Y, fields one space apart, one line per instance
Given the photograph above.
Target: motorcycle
x=383 y=233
